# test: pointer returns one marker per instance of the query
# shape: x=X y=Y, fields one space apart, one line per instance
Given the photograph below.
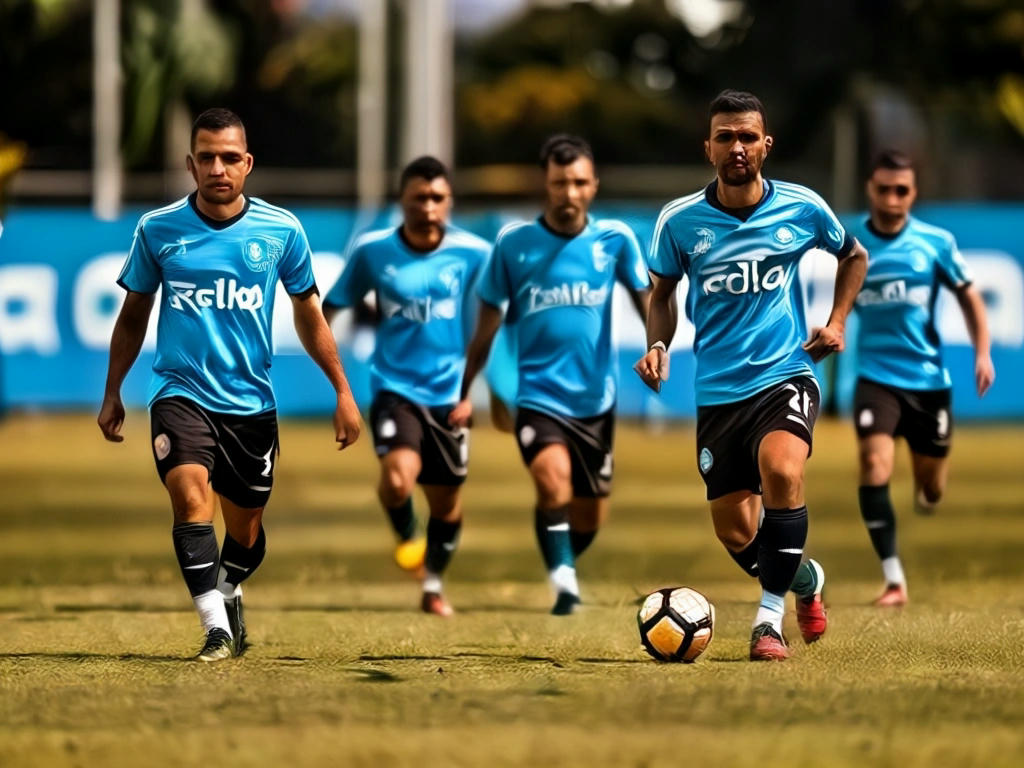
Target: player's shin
x=781 y=545
x=195 y=545
x=442 y=541
x=403 y=520
x=552 y=528
x=238 y=563
x=580 y=541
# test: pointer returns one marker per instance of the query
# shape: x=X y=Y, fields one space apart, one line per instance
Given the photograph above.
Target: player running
x=217 y=256
x=739 y=242
x=903 y=388
x=551 y=280
x=422 y=273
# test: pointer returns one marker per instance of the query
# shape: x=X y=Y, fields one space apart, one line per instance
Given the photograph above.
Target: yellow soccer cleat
x=410 y=554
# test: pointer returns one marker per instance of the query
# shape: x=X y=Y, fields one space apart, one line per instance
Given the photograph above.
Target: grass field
x=96 y=626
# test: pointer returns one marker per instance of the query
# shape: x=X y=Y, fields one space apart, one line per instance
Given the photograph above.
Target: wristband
x=658 y=345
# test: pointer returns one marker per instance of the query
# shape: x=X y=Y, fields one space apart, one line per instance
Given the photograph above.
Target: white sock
x=227 y=589
x=432 y=583
x=771 y=609
x=212 y=613
x=893 y=570
x=563 y=579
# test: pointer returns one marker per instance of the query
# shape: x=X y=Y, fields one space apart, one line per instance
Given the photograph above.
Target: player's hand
x=462 y=414
x=346 y=422
x=824 y=341
x=984 y=374
x=111 y=418
x=652 y=368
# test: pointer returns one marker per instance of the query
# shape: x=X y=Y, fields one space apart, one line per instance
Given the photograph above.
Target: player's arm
x=849 y=279
x=662 y=319
x=488 y=322
x=973 y=307
x=641 y=301
x=125 y=344
x=316 y=338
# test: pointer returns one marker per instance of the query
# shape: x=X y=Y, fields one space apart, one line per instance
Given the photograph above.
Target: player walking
x=739 y=241
x=217 y=257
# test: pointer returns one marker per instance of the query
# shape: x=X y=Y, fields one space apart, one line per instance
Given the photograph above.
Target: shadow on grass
x=78 y=656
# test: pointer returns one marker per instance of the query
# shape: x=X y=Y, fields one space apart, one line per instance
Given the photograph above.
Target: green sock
x=805 y=583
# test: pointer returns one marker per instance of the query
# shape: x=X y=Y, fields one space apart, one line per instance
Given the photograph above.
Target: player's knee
x=783 y=477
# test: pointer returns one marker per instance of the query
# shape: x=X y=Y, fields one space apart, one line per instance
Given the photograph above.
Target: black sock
x=403 y=520
x=442 y=538
x=746 y=558
x=580 y=540
x=781 y=545
x=876 y=509
x=552 y=528
x=237 y=563
x=195 y=544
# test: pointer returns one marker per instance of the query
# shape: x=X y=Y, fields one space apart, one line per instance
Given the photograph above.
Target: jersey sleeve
x=832 y=235
x=494 y=285
x=140 y=272
x=296 y=269
x=666 y=258
x=353 y=282
x=953 y=269
x=631 y=267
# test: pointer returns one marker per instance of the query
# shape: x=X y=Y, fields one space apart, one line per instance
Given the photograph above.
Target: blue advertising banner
x=59 y=300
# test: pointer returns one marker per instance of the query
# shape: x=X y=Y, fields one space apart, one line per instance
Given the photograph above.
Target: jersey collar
x=744 y=213
x=216 y=223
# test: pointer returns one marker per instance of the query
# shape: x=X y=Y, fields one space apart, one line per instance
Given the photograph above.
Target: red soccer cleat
x=811 y=617
x=434 y=602
x=767 y=645
x=894 y=596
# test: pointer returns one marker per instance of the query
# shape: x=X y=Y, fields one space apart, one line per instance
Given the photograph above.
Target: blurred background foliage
x=634 y=77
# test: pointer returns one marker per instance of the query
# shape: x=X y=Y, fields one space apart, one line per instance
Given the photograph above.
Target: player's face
x=737 y=146
x=891 y=193
x=570 y=191
x=219 y=164
x=426 y=204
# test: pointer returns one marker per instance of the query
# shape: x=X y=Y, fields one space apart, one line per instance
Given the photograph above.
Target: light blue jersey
x=744 y=298
x=426 y=309
x=559 y=291
x=897 y=343
x=217 y=281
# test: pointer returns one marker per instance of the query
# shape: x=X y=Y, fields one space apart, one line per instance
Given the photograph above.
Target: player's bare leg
x=245 y=545
x=586 y=516
x=877 y=456
x=443 y=528
x=195 y=544
x=930 y=474
x=399 y=469
x=551 y=471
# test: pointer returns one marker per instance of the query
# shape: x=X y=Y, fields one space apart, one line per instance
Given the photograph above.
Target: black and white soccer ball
x=676 y=624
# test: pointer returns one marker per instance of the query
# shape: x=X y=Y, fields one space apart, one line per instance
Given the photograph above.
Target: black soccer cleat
x=565 y=604
x=218 y=646
x=236 y=620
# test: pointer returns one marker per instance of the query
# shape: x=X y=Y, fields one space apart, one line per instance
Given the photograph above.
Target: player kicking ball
x=422 y=274
x=739 y=241
x=216 y=256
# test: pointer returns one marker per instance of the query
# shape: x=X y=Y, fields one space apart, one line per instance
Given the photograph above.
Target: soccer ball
x=676 y=624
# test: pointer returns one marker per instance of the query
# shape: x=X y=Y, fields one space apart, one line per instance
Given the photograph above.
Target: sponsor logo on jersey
x=895 y=292
x=579 y=294
x=225 y=294
x=742 y=277
x=261 y=252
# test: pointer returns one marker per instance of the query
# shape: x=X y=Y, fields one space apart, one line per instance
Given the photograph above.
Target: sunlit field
x=97 y=629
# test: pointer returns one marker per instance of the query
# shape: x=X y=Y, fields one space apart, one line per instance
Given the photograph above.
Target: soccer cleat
x=893 y=596
x=236 y=620
x=409 y=554
x=767 y=645
x=565 y=604
x=218 y=646
x=811 y=617
x=434 y=602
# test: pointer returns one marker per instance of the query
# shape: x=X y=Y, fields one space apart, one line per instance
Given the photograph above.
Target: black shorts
x=924 y=418
x=729 y=435
x=588 y=440
x=444 y=450
x=238 y=451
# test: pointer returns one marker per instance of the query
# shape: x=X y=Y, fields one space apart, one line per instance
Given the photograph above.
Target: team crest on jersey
x=600 y=255
x=918 y=261
x=784 y=235
x=705 y=461
x=261 y=252
x=705 y=239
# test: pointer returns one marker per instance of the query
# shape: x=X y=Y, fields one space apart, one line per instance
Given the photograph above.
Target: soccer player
x=903 y=388
x=217 y=257
x=739 y=242
x=422 y=273
x=555 y=275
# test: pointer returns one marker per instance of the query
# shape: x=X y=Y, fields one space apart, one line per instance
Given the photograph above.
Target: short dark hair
x=730 y=101
x=892 y=160
x=424 y=167
x=563 y=149
x=216 y=119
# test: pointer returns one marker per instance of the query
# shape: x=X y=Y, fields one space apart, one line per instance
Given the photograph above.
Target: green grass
x=96 y=626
